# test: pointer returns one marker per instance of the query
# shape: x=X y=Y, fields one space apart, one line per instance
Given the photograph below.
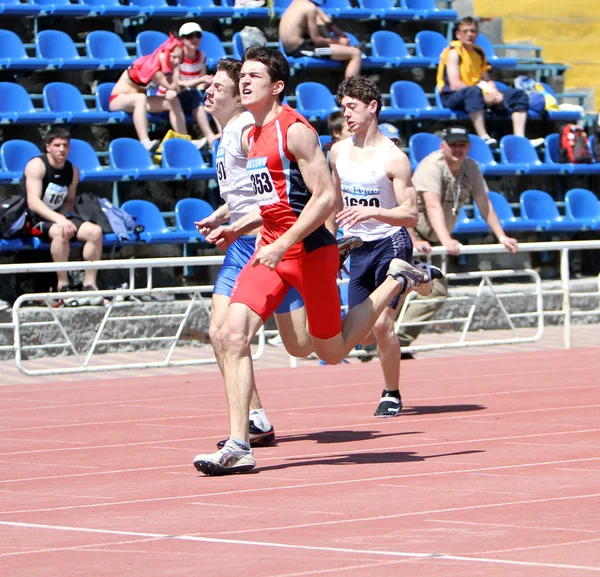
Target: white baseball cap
x=189 y=28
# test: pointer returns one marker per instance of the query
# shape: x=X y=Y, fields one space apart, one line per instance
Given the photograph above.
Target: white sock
x=260 y=419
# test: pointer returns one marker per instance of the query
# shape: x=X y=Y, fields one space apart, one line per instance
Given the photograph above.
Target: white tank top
x=235 y=186
x=366 y=184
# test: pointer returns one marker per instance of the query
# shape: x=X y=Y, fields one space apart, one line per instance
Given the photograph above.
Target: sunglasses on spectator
x=192 y=35
x=465 y=30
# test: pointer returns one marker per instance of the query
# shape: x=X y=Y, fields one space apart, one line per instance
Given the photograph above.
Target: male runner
x=296 y=195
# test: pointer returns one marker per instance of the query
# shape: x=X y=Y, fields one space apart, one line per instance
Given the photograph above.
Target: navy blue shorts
x=236 y=258
x=190 y=99
x=369 y=265
x=470 y=99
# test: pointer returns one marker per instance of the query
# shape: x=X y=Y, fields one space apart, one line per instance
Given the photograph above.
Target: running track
x=492 y=470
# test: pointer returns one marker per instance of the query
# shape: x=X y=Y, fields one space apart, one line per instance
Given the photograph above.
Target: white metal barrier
x=113 y=313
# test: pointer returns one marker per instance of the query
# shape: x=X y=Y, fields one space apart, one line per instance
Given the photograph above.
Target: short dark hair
x=467 y=21
x=335 y=123
x=56 y=132
x=361 y=88
x=277 y=65
x=232 y=68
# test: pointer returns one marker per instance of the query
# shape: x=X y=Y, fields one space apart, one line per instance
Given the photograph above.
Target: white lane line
x=313 y=548
x=514 y=526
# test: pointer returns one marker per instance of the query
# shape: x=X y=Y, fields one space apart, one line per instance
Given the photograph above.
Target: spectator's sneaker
x=93 y=301
x=537 y=142
x=258 y=438
x=491 y=142
x=67 y=302
x=345 y=245
x=151 y=145
x=389 y=406
x=4 y=306
x=415 y=279
x=433 y=271
x=229 y=460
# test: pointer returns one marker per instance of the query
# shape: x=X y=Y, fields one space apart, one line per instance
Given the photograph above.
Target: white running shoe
x=416 y=279
x=433 y=271
x=229 y=460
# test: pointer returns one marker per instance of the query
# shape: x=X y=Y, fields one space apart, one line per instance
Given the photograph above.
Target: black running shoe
x=388 y=407
x=345 y=245
x=258 y=438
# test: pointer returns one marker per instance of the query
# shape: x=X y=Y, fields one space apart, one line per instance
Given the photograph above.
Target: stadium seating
x=324 y=140
x=84 y=157
x=68 y=104
x=160 y=8
x=428 y=10
x=133 y=160
x=213 y=48
x=430 y=44
x=408 y=99
x=420 y=145
x=495 y=61
x=16 y=106
x=308 y=61
x=389 y=48
x=13 y=55
x=62 y=8
x=112 y=9
x=14 y=155
x=481 y=152
x=181 y=155
x=539 y=206
x=583 y=205
x=385 y=10
x=466 y=225
x=552 y=156
x=314 y=101
x=245 y=11
x=188 y=211
x=508 y=220
x=207 y=9
x=102 y=100
x=149 y=216
x=108 y=49
x=517 y=150
x=59 y=50
x=148 y=41
x=17 y=8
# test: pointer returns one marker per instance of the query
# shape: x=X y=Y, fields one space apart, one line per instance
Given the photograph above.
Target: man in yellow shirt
x=464 y=83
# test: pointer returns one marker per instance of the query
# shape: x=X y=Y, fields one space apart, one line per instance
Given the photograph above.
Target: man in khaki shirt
x=445 y=181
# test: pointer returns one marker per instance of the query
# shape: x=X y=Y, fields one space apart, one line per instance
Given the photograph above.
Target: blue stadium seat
x=62 y=8
x=102 y=100
x=181 y=155
x=506 y=216
x=421 y=145
x=428 y=10
x=14 y=156
x=324 y=140
x=13 y=55
x=591 y=141
x=17 y=8
x=108 y=49
x=430 y=44
x=466 y=225
x=245 y=11
x=392 y=51
x=344 y=9
x=517 y=150
x=495 y=61
x=213 y=48
x=156 y=230
x=59 y=49
x=538 y=205
x=552 y=156
x=188 y=211
x=84 y=157
x=409 y=98
x=68 y=104
x=11 y=245
x=148 y=41
x=112 y=9
x=237 y=47
x=160 y=8
x=16 y=106
x=559 y=115
x=314 y=101
x=279 y=6
x=387 y=10
x=129 y=156
x=583 y=205
x=206 y=9
x=439 y=104
x=481 y=152
x=309 y=61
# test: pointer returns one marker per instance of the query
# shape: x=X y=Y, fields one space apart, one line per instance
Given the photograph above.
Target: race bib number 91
x=262 y=183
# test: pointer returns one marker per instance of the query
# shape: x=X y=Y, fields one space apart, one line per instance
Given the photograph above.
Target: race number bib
x=54 y=195
x=221 y=169
x=262 y=183
x=360 y=196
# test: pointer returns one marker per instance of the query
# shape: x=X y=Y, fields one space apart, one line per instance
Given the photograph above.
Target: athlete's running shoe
x=416 y=279
x=433 y=271
x=229 y=460
x=389 y=406
x=345 y=245
x=258 y=438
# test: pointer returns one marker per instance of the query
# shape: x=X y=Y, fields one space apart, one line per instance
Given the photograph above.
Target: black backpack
x=12 y=215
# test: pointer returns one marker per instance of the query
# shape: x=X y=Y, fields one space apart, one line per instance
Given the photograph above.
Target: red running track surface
x=492 y=469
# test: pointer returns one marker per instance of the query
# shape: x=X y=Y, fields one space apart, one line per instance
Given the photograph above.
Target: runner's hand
x=223 y=237
x=269 y=255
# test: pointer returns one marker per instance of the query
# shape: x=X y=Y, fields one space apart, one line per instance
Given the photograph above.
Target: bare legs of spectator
x=172 y=105
x=204 y=124
x=350 y=53
x=478 y=120
x=519 y=119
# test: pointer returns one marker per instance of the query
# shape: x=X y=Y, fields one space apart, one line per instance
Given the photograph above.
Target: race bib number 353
x=262 y=183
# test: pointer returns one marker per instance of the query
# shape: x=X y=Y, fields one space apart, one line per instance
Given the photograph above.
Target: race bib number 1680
x=264 y=189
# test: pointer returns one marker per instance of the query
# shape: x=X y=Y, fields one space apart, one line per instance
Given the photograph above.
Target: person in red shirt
x=296 y=196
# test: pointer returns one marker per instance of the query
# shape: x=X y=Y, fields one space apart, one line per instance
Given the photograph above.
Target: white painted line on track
x=313 y=548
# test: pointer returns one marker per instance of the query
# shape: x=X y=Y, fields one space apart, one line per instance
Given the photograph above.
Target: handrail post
x=566 y=302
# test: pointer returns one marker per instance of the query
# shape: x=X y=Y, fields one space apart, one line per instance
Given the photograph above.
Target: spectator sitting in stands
x=391 y=132
x=49 y=184
x=129 y=93
x=444 y=181
x=305 y=30
x=338 y=127
x=192 y=79
x=464 y=83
